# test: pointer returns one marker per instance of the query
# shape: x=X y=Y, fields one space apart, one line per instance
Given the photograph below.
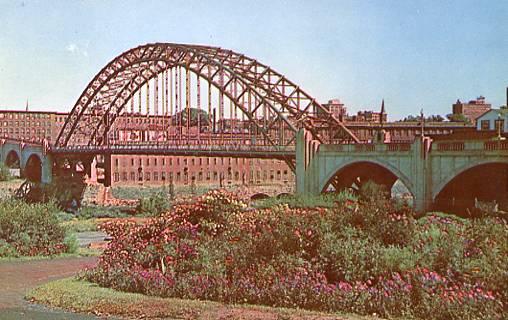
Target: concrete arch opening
x=33 y=169
x=353 y=176
x=12 y=160
x=259 y=196
x=483 y=184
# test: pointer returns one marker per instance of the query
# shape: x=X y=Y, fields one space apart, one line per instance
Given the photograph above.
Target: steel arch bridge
x=265 y=108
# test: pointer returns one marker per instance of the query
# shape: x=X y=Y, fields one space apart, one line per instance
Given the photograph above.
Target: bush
x=5 y=174
x=154 y=205
x=358 y=256
x=31 y=229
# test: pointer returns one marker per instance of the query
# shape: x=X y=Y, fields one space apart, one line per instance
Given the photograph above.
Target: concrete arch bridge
x=441 y=175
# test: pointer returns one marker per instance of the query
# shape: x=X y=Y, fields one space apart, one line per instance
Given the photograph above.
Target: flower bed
x=359 y=256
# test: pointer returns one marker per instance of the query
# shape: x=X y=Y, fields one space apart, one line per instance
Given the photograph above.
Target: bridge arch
x=33 y=168
x=235 y=75
x=485 y=180
x=13 y=159
x=379 y=171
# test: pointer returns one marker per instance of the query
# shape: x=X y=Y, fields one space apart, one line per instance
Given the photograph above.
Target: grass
x=80 y=252
x=8 y=187
x=80 y=225
x=84 y=297
x=305 y=201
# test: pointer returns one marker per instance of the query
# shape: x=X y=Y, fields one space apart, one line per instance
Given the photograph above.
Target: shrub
x=5 y=174
x=31 y=229
x=358 y=256
x=153 y=205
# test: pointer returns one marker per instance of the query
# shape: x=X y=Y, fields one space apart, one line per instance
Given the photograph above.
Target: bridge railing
x=162 y=147
x=495 y=145
x=474 y=145
x=369 y=147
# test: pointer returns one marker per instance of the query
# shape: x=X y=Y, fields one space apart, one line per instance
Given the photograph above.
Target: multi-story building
x=154 y=170
x=472 y=109
x=31 y=125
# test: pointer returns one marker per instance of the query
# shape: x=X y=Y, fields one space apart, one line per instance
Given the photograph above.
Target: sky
x=413 y=54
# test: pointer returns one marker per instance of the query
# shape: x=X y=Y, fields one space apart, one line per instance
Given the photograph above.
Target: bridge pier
x=47 y=169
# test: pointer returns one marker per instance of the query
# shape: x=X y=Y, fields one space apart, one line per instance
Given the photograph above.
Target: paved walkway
x=16 y=278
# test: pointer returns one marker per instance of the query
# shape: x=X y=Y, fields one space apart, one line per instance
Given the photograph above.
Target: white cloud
x=75 y=49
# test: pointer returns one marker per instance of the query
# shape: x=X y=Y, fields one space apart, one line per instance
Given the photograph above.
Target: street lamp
x=499 y=124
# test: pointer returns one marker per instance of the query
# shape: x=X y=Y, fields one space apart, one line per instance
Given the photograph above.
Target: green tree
x=458 y=117
x=5 y=174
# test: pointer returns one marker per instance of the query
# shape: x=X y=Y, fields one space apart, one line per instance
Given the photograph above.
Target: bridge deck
x=184 y=150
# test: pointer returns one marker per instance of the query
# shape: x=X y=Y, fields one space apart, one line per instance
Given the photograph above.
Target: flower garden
x=366 y=256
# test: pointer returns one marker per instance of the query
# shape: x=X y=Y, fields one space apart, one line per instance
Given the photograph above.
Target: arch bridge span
x=219 y=91
x=447 y=175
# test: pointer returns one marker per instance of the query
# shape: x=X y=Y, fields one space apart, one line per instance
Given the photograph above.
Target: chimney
x=507 y=97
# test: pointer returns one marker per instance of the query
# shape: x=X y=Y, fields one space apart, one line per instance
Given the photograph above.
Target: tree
x=5 y=174
x=194 y=112
x=458 y=117
x=431 y=118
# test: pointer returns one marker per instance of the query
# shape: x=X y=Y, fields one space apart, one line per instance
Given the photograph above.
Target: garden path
x=17 y=277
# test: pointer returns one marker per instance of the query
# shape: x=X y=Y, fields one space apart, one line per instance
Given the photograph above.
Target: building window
x=155 y=176
x=155 y=162
x=132 y=161
x=133 y=176
x=485 y=125
x=124 y=176
x=117 y=177
x=116 y=162
x=147 y=161
x=147 y=176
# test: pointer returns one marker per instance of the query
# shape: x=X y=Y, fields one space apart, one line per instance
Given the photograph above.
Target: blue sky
x=414 y=54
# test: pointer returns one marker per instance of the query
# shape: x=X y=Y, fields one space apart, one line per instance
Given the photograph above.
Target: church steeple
x=382 y=112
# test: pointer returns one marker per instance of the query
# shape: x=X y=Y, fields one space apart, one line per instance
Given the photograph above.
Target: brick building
x=153 y=170
x=31 y=125
x=472 y=109
x=337 y=108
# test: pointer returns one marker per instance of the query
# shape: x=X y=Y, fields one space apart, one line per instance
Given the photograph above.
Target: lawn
x=86 y=297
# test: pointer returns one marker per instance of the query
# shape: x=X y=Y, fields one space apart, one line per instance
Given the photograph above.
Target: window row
x=184 y=176
x=192 y=161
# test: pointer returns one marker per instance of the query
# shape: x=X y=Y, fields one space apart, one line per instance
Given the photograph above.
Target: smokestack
x=507 y=97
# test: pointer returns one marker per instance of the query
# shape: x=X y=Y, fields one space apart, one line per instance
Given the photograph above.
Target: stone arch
x=464 y=168
x=13 y=159
x=485 y=181
x=259 y=196
x=395 y=172
x=33 y=168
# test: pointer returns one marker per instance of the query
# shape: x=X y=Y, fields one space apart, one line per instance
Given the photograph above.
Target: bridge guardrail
x=370 y=147
x=495 y=145
x=136 y=147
